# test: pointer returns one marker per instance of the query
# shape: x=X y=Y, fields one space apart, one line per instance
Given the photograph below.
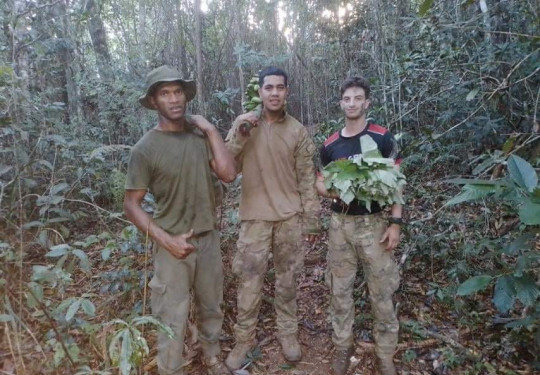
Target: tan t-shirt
x=278 y=173
x=174 y=167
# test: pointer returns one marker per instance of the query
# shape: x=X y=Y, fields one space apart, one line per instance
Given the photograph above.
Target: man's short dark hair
x=271 y=71
x=356 y=82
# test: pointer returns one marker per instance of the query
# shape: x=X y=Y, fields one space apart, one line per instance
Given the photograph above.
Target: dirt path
x=314 y=328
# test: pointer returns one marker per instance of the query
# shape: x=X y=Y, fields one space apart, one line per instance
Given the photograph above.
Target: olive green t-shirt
x=174 y=167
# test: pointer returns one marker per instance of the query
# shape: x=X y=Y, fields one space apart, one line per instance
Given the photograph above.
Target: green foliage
x=514 y=279
x=117 y=183
x=519 y=190
x=454 y=81
x=424 y=7
x=127 y=346
x=473 y=285
x=368 y=177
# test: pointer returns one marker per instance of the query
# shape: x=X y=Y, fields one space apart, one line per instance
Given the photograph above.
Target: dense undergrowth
x=459 y=90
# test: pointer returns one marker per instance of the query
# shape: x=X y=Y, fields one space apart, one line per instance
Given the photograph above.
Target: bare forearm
x=224 y=163
x=146 y=224
x=397 y=210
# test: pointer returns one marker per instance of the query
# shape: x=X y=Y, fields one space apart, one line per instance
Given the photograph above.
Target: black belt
x=354 y=208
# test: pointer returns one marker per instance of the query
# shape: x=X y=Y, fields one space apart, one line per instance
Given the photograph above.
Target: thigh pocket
x=366 y=238
x=157 y=296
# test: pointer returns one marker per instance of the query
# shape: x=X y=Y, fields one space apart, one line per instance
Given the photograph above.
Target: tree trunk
x=199 y=55
x=68 y=56
x=98 y=35
x=238 y=37
x=142 y=31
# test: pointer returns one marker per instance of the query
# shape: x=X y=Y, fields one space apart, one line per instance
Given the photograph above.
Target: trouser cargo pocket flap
x=157 y=286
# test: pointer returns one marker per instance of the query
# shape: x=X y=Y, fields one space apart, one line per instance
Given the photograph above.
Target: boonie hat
x=166 y=74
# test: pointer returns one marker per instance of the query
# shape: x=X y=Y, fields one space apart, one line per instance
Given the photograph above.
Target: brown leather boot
x=342 y=360
x=290 y=348
x=214 y=366
x=238 y=356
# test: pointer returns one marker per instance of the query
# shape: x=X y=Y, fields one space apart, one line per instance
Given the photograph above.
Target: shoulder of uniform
x=292 y=121
x=198 y=132
x=377 y=129
x=334 y=137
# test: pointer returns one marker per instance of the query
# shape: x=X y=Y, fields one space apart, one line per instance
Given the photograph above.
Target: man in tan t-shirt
x=174 y=161
x=278 y=197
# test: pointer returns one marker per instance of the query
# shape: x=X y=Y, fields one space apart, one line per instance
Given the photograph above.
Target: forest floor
x=434 y=339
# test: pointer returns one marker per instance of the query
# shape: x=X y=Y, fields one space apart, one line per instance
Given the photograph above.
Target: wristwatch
x=396 y=220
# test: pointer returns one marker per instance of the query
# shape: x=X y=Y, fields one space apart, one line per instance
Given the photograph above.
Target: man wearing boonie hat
x=174 y=161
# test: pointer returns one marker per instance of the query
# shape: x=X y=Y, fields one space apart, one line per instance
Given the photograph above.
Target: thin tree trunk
x=238 y=37
x=142 y=31
x=68 y=56
x=199 y=55
x=98 y=35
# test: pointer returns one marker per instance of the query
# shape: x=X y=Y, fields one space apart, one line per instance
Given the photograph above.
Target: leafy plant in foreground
x=515 y=277
x=128 y=345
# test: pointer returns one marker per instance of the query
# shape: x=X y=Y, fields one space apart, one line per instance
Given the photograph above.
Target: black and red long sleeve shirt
x=339 y=147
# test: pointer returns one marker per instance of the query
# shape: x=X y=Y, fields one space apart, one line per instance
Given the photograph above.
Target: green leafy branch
x=367 y=177
x=516 y=282
x=128 y=345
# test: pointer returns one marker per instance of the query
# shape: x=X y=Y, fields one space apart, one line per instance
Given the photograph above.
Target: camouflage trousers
x=257 y=243
x=353 y=239
x=202 y=272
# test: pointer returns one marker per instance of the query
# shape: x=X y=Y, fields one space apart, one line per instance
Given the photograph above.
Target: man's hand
x=247 y=121
x=203 y=124
x=321 y=189
x=179 y=247
x=392 y=236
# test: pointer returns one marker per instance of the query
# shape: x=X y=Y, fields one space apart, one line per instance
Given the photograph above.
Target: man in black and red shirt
x=358 y=234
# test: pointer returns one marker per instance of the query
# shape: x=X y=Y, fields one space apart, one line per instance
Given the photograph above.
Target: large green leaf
x=424 y=7
x=474 y=284
x=72 y=309
x=472 y=193
x=529 y=213
x=83 y=259
x=369 y=147
x=58 y=188
x=522 y=173
x=58 y=250
x=527 y=291
x=505 y=293
x=125 y=352
x=520 y=243
x=88 y=307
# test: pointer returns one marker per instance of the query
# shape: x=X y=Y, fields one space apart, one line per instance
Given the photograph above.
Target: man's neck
x=167 y=125
x=354 y=126
x=273 y=116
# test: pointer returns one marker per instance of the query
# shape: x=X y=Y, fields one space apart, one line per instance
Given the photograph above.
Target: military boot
x=342 y=360
x=214 y=366
x=386 y=366
x=238 y=356
x=290 y=348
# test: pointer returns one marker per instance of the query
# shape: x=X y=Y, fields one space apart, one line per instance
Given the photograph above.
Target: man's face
x=354 y=103
x=169 y=100
x=273 y=93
